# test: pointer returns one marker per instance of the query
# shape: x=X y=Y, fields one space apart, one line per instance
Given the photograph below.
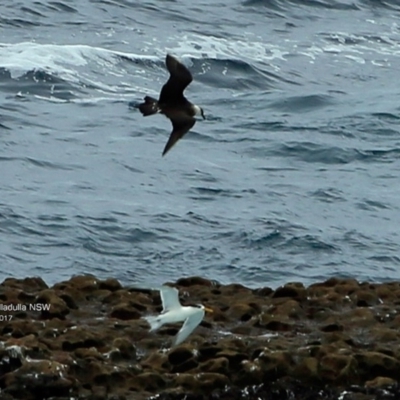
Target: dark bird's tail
x=149 y=107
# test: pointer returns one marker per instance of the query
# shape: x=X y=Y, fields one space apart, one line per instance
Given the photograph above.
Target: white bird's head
x=206 y=309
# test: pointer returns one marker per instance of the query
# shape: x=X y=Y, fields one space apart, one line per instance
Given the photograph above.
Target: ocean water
x=293 y=176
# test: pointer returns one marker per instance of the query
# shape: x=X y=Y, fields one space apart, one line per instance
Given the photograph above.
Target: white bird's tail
x=154 y=322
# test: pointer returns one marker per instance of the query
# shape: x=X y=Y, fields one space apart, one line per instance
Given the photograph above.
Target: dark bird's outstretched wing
x=180 y=77
x=180 y=125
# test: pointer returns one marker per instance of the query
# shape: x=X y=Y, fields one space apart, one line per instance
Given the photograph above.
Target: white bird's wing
x=189 y=326
x=169 y=298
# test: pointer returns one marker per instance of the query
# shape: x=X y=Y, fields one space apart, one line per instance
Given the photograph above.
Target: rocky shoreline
x=85 y=339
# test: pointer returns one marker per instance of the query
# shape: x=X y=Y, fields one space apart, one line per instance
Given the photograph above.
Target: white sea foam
x=20 y=58
x=349 y=47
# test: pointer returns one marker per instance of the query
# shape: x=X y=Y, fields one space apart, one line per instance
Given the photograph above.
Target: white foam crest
x=195 y=45
x=20 y=58
x=257 y=49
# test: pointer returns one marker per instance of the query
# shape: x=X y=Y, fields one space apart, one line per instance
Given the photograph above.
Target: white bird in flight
x=173 y=312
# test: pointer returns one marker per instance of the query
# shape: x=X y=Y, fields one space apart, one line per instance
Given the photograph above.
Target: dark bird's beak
x=202 y=114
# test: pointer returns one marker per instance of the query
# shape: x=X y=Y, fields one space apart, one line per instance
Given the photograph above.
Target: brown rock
x=365 y=298
x=188 y=382
x=336 y=333
x=336 y=367
x=151 y=381
x=250 y=373
x=31 y=346
x=80 y=337
x=201 y=382
x=346 y=287
x=380 y=382
x=235 y=357
x=180 y=354
x=27 y=284
x=122 y=349
x=20 y=328
x=289 y=309
x=113 y=378
x=207 y=351
x=306 y=369
x=395 y=323
x=35 y=377
x=85 y=283
x=91 y=352
x=110 y=284
x=263 y=292
x=241 y=312
x=26 y=297
x=69 y=301
x=293 y=290
x=186 y=366
x=275 y=363
x=337 y=339
x=372 y=364
x=210 y=381
x=388 y=292
x=125 y=312
x=234 y=344
x=156 y=361
x=332 y=327
x=273 y=323
x=359 y=317
x=194 y=280
x=219 y=365
x=11 y=358
x=236 y=290
x=384 y=335
x=243 y=330
x=57 y=306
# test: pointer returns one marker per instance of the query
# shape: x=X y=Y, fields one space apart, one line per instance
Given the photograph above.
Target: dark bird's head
x=198 y=111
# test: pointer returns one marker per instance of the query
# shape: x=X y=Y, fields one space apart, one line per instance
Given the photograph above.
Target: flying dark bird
x=172 y=103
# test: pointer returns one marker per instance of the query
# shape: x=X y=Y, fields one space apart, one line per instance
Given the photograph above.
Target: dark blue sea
x=293 y=176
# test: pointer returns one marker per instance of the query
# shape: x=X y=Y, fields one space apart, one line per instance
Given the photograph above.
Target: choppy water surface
x=294 y=176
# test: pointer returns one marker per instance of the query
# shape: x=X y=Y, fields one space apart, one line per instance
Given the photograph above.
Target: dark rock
x=380 y=382
x=276 y=363
x=372 y=364
x=293 y=290
x=295 y=342
x=110 y=284
x=69 y=301
x=185 y=366
x=151 y=381
x=235 y=358
x=180 y=354
x=331 y=328
x=337 y=367
x=42 y=378
x=219 y=365
x=123 y=349
x=192 y=281
x=207 y=351
x=81 y=337
x=263 y=292
x=57 y=308
x=125 y=312
x=274 y=324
